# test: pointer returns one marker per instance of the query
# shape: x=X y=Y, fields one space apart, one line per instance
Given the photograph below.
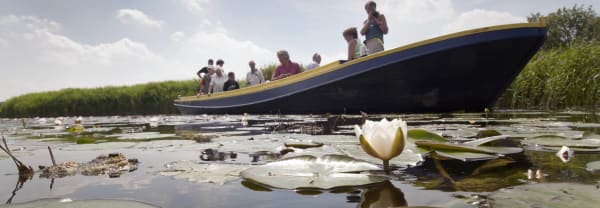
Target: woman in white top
x=217 y=81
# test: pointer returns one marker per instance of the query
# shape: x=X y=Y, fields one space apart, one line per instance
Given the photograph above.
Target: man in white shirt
x=217 y=81
x=316 y=62
x=254 y=76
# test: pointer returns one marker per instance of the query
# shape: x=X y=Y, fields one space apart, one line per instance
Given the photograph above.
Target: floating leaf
x=462 y=156
x=557 y=195
x=325 y=172
x=559 y=141
x=99 y=146
x=593 y=166
x=204 y=173
x=411 y=156
x=424 y=135
x=451 y=147
x=303 y=145
x=488 y=133
x=86 y=140
x=486 y=140
x=93 y=203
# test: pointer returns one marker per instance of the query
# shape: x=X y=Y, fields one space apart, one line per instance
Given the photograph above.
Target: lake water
x=160 y=142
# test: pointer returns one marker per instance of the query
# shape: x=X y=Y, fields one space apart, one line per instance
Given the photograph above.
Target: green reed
x=558 y=78
x=150 y=98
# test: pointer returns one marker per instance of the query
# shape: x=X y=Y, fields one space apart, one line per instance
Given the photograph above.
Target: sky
x=56 y=44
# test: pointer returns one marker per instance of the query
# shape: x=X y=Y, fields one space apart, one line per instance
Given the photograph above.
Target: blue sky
x=55 y=44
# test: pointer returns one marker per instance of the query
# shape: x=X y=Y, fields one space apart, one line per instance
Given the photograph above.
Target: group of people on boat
x=374 y=27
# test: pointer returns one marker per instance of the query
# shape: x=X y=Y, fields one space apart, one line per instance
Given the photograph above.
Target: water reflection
x=382 y=195
x=20 y=182
x=533 y=166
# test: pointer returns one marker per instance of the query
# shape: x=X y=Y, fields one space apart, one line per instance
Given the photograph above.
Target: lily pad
x=557 y=195
x=204 y=173
x=303 y=145
x=593 y=166
x=424 y=135
x=486 y=140
x=409 y=157
x=309 y=172
x=468 y=151
x=93 y=203
x=99 y=146
x=488 y=133
x=559 y=141
x=462 y=156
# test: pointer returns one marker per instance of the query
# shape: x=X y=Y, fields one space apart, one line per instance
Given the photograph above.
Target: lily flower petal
x=565 y=154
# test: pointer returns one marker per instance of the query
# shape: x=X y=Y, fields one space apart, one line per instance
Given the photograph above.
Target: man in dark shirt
x=231 y=84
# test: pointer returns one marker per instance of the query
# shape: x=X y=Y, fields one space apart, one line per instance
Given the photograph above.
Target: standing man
x=205 y=80
x=254 y=76
x=374 y=28
x=316 y=62
x=220 y=64
x=287 y=67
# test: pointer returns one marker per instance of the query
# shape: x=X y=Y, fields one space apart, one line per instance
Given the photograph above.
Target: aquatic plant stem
x=442 y=171
x=25 y=172
x=386 y=166
x=51 y=156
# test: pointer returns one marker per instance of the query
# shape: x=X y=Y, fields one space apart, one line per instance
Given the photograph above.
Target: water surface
x=158 y=141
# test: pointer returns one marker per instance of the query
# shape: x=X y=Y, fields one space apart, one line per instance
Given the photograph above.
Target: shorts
x=374 y=45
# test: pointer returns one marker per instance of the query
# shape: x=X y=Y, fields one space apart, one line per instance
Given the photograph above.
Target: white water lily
x=565 y=154
x=384 y=139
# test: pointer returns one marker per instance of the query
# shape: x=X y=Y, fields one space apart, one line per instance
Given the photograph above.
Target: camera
x=375 y=14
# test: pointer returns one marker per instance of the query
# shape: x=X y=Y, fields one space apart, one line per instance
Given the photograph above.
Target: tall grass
x=558 y=78
x=151 y=98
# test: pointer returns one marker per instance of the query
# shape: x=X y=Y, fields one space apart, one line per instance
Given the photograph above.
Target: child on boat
x=355 y=47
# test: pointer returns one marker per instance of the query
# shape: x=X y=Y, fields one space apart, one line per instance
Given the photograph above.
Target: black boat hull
x=464 y=73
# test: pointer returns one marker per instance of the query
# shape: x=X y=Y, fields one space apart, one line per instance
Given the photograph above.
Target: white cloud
x=416 y=12
x=36 y=57
x=194 y=6
x=177 y=36
x=481 y=18
x=137 y=17
x=194 y=50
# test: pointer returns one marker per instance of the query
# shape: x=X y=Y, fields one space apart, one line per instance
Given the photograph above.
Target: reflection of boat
x=462 y=71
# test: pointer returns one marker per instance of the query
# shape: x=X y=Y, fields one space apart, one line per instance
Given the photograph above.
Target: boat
x=460 y=72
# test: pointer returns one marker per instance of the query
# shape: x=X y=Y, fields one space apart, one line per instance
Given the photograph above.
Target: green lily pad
x=468 y=151
x=559 y=141
x=204 y=173
x=411 y=156
x=93 y=203
x=99 y=146
x=462 y=156
x=303 y=145
x=593 y=166
x=488 y=133
x=424 y=135
x=486 y=140
x=557 y=195
x=309 y=172
x=451 y=147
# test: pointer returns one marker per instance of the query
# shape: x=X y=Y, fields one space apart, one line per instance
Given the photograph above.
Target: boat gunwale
x=334 y=66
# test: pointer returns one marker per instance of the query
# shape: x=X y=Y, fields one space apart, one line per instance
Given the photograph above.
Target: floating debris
x=113 y=164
